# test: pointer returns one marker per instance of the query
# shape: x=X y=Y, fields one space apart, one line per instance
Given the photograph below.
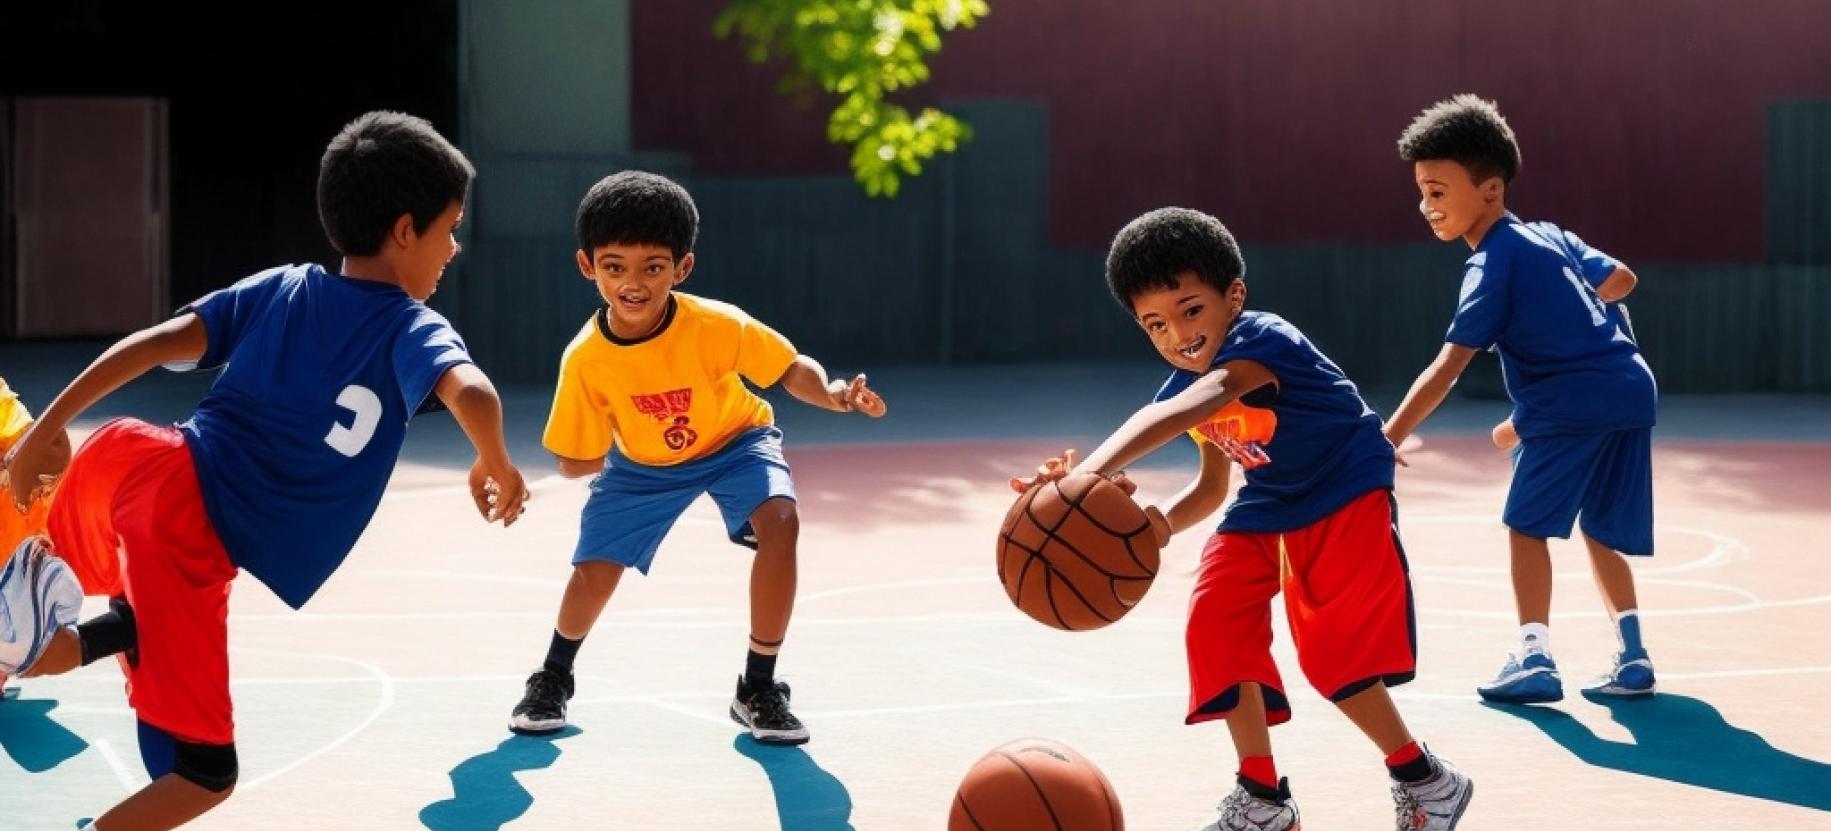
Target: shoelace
x=1409 y=813
x=770 y=705
x=546 y=687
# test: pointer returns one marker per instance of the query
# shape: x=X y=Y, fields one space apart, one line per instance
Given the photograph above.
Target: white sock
x=1534 y=637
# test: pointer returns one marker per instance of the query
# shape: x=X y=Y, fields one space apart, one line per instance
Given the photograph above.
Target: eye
x=1436 y=194
x=654 y=268
x=1156 y=326
x=1192 y=312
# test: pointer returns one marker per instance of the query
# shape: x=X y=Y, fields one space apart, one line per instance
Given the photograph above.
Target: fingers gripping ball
x=1076 y=553
x=1035 y=785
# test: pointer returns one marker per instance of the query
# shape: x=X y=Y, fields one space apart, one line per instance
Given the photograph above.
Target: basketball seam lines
x=1036 y=556
x=969 y=812
x=1041 y=797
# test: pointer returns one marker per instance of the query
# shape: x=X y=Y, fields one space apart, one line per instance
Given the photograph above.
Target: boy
x=282 y=464
x=651 y=401
x=1583 y=398
x=1316 y=517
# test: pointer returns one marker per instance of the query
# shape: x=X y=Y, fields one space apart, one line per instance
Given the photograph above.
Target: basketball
x=1076 y=553
x=1035 y=785
x=38 y=595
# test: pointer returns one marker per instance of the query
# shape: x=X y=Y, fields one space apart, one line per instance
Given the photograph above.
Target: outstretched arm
x=43 y=451
x=1427 y=393
x=807 y=380
x=1155 y=425
x=1203 y=496
x=495 y=485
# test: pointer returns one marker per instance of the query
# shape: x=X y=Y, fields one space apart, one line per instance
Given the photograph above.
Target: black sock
x=759 y=669
x=1414 y=771
x=561 y=652
x=109 y=633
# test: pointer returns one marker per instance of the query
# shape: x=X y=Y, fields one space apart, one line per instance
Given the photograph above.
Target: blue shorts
x=1605 y=477
x=632 y=505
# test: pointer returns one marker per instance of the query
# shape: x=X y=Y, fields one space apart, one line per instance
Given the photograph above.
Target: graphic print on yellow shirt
x=670 y=397
x=1239 y=431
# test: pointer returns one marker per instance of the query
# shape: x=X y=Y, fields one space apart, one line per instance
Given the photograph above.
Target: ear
x=1236 y=295
x=1492 y=189
x=585 y=266
x=683 y=269
x=402 y=234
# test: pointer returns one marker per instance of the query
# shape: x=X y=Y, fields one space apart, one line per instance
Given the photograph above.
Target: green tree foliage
x=861 y=51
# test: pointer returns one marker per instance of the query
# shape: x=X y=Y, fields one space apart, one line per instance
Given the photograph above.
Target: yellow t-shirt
x=671 y=397
x=14 y=419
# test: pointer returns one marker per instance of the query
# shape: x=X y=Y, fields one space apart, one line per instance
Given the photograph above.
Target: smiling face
x=1453 y=203
x=635 y=281
x=1187 y=321
x=424 y=256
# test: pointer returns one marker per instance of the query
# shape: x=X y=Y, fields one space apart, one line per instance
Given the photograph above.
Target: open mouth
x=631 y=303
x=1194 y=349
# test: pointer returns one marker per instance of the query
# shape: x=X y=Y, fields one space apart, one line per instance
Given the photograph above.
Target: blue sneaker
x=1632 y=678
x=1532 y=680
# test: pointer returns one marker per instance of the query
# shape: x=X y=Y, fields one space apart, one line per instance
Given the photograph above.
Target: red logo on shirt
x=1241 y=432
x=670 y=408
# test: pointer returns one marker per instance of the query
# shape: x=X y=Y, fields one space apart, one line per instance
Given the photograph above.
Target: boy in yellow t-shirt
x=16 y=526
x=652 y=401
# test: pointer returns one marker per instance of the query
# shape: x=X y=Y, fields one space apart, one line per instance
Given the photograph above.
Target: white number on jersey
x=352 y=439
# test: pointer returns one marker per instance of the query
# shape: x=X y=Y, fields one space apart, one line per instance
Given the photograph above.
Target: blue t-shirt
x=1570 y=364
x=298 y=436
x=1309 y=445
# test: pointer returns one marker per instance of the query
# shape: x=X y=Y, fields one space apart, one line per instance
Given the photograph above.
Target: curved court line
x=1723 y=546
x=128 y=779
x=385 y=703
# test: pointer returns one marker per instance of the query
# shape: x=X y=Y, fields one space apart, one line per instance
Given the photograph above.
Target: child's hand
x=1160 y=526
x=1504 y=435
x=500 y=494
x=854 y=396
x=1050 y=470
x=31 y=468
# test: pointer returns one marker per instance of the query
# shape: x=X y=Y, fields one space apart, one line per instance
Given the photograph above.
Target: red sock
x=1261 y=770
x=1408 y=753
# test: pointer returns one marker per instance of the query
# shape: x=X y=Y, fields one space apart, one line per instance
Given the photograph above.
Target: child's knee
x=776 y=520
x=597 y=576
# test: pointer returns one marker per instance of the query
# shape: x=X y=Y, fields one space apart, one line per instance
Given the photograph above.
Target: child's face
x=1188 y=322
x=1451 y=201
x=427 y=254
x=635 y=280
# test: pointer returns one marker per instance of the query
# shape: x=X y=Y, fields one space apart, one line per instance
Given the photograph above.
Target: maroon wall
x=1642 y=121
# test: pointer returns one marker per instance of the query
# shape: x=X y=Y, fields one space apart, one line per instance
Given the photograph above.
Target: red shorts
x=1347 y=592
x=129 y=519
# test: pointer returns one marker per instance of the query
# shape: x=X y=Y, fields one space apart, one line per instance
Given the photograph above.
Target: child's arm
x=1156 y=424
x=1203 y=496
x=806 y=379
x=1618 y=285
x=1427 y=393
x=495 y=485
x=43 y=451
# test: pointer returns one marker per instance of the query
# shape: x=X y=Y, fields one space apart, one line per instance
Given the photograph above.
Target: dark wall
x=1643 y=121
x=255 y=93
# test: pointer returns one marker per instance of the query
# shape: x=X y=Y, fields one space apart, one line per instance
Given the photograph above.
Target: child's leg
x=587 y=592
x=1531 y=578
x=188 y=780
x=773 y=575
x=1378 y=718
x=1613 y=577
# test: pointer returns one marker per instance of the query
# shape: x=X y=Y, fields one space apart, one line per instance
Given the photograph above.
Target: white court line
x=383 y=705
x=664 y=704
x=131 y=781
x=1724 y=549
x=548 y=482
x=901 y=584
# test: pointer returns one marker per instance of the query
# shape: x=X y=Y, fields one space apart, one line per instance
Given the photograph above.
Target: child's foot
x=1530 y=680
x=1631 y=678
x=765 y=712
x=543 y=707
x=1254 y=807
x=1435 y=804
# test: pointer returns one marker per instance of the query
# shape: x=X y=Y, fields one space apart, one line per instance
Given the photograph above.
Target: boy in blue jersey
x=1315 y=520
x=1583 y=397
x=284 y=461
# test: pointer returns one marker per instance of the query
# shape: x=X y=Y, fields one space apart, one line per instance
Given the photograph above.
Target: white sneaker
x=1253 y=807
x=1435 y=804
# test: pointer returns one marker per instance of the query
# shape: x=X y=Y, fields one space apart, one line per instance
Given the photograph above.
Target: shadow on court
x=808 y=798
x=1685 y=740
x=485 y=793
x=31 y=737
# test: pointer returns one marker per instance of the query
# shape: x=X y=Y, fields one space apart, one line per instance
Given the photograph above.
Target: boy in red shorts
x=1315 y=518
x=281 y=466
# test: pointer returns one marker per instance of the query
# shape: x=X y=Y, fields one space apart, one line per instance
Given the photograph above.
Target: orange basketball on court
x=1076 y=553
x=1035 y=785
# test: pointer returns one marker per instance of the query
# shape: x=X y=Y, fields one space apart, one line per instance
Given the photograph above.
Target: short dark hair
x=634 y=207
x=1466 y=130
x=380 y=166
x=1152 y=251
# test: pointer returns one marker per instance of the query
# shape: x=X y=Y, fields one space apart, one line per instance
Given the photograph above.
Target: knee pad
x=212 y=767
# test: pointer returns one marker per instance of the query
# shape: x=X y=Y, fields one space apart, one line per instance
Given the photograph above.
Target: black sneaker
x=543 y=709
x=765 y=712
